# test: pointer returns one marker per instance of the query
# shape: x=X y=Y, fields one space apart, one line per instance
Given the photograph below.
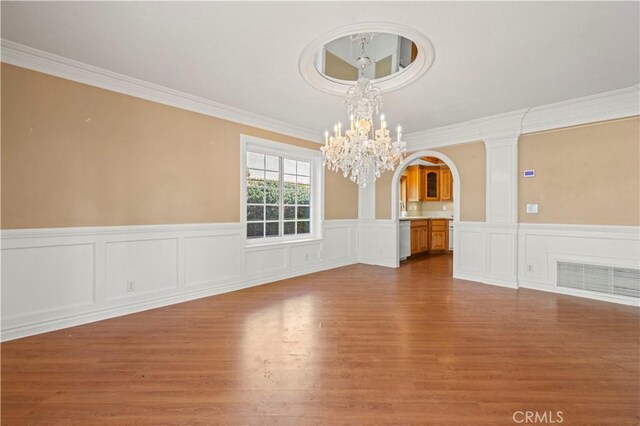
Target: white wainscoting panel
x=213 y=258
x=36 y=280
x=305 y=255
x=502 y=254
x=486 y=253
x=266 y=260
x=151 y=264
x=542 y=246
x=386 y=243
x=377 y=241
x=367 y=241
x=340 y=240
x=468 y=250
x=61 y=277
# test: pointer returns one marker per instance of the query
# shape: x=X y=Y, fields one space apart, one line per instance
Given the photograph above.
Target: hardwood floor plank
x=354 y=345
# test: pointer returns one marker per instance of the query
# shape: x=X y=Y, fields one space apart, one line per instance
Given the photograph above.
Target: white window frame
x=292 y=152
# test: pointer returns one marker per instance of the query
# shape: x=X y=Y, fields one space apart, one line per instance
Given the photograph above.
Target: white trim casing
x=393 y=259
x=248 y=143
x=82 y=274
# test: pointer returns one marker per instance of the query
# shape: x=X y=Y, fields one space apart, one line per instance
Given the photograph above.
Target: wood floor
x=354 y=345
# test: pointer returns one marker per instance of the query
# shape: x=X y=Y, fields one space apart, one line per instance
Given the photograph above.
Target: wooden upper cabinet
x=414 y=184
x=431 y=184
x=446 y=185
x=426 y=183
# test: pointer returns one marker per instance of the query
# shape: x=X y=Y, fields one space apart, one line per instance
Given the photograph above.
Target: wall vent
x=599 y=279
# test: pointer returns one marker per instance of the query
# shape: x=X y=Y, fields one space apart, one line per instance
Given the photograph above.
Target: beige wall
x=77 y=155
x=584 y=175
x=470 y=160
x=338 y=68
x=471 y=164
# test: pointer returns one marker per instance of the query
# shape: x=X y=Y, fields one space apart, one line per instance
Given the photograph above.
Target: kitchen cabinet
x=439 y=235
x=446 y=184
x=414 y=184
x=429 y=235
x=419 y=236
x=430 y=184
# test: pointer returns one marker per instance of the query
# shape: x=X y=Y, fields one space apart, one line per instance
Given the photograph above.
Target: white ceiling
x=490 y=57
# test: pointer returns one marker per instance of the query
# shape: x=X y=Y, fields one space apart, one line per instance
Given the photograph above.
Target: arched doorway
x=395 y=185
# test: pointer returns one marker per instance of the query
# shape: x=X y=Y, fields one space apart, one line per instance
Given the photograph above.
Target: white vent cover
x=599 y=279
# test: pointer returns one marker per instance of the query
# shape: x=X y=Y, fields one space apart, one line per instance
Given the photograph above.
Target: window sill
x=302 y=241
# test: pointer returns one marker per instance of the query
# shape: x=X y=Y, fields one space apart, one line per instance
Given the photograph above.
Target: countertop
x=425 y=217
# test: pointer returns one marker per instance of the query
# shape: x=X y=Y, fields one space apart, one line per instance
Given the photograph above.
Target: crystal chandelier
x=362 y=151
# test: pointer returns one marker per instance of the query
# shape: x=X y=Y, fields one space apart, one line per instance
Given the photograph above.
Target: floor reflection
x=278 y=345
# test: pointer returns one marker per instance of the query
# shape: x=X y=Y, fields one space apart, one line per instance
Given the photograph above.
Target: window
x=278 y=191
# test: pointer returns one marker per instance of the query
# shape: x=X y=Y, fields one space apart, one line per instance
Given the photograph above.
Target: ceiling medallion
x=334 y=47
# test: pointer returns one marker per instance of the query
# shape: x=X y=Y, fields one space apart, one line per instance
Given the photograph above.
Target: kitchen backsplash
x=430 y=209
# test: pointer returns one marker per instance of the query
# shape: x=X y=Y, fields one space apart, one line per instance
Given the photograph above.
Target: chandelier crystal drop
x=362 y=152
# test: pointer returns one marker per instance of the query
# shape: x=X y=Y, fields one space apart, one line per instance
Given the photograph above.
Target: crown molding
x=443 y=136
x=605 y=106
x=48 y=63
x=589 y=109
x=501 y=126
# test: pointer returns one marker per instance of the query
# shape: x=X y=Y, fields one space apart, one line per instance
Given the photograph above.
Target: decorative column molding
x=502 y=179
x=500 y=135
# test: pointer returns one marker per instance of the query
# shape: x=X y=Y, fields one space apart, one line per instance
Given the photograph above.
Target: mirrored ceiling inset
x=385 y=54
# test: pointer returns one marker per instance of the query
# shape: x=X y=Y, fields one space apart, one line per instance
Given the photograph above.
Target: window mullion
x=281 y=199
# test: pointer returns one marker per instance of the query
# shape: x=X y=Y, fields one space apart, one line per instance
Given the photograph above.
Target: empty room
x=320 y=213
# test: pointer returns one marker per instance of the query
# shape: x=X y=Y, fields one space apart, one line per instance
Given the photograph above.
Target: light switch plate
x=532 y=208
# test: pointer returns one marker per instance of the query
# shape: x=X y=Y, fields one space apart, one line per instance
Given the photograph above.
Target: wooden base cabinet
x=419 y=236
x=439 y=235
x=429 y=235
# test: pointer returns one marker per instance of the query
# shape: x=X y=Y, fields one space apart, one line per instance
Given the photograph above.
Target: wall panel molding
x=541 y=246
x=82 y=274
x=483 y=253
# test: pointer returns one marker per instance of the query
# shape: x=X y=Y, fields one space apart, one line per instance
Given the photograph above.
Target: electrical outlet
x=131 y=286
x=529 y=267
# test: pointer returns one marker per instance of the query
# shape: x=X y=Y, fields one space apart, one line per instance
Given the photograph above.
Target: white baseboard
x=485 y=280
